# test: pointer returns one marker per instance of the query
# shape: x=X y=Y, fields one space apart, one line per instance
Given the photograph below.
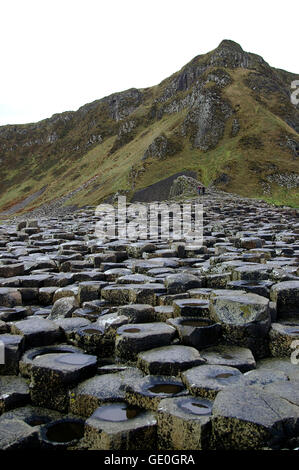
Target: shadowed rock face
x=159 y=191
x=152 y=344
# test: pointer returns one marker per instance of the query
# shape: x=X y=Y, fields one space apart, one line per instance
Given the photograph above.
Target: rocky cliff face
x=227 y=112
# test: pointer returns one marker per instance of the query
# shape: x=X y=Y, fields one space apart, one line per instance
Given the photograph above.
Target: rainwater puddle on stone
x=65 y=431
x=171 y=389
x=116 y=412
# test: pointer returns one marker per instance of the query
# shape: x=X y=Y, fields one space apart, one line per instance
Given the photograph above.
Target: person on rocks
x=199 y=190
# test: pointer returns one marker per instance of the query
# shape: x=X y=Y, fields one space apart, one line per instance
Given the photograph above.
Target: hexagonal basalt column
x=196 y=332
x=286 y=294
x=138 y=313
x=163 y=313
x=133 y=339
x=17 y=435
x=52 y=375
x=14 y=392
x=148 y=391
x=26 y=361
x=282 y=336
x=10 y=297
x=119 y=426
x=132 y=293
x=169 y=360
x=184 y=423
x=12 y=314
x=255 y=287
x=181 y=282
x=245 y=320
x=191 y=308
x=12 y=349
x=255 y=418
x=206 y=381
x=232 y=356
x=91 y=339
x=62 y=434
x=90 y=290
x=37 y=332
x=90 y=394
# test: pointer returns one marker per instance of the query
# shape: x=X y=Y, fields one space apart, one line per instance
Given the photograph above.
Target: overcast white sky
x=57 y=55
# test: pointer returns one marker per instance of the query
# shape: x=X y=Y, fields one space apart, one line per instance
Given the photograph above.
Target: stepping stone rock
x=181 y=282
x=199 y=333
x=169 y=360
x=91 y=339
x=133 y=339
x=207 y=380
x=52 y=375
x=245 y=320
x=62 y=434
x=37 y=332
x=119 y=426
x=253 y=272
x=232 y=356
x=184 y=423
x=10 y=297
x=28 y=357
x=138 y=313
x=63 y=308
x=101 y=389
x=162 y=313
x=11 y=348
x=90 y=290
x=11 y=270
x=254 y=418
x=67 y=291
x=239 y=309
x=282 y=364
x=32 y=415
x=132 y=293
x=71 y=325
x=191 y=308
x=17 y=435
x=286 y=294
x=282 y=337
x=148 y=391
x=263 y=377
x=12 y=314
x=14 y=392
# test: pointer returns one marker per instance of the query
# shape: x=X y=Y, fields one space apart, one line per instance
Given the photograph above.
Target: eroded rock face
x=140 y=338
x=122 y=104
x=184 y=185
x=161 y=147
x=205 y=122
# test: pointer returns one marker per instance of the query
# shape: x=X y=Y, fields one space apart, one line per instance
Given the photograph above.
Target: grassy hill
x=226 y=115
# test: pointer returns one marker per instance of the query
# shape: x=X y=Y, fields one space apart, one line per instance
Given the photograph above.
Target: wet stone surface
x=184 y=423
x=151 y=344
x=120 y=426
x=169 y=360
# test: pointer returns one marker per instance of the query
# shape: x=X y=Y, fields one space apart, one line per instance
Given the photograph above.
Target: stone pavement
x=151 y=344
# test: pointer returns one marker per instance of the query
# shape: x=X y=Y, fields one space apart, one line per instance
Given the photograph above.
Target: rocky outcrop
x=184 y=185
x=123 y=104
x=162 y=147
x=205 y=122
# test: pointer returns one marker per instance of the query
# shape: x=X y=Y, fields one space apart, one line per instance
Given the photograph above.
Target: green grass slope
x=226 y=115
